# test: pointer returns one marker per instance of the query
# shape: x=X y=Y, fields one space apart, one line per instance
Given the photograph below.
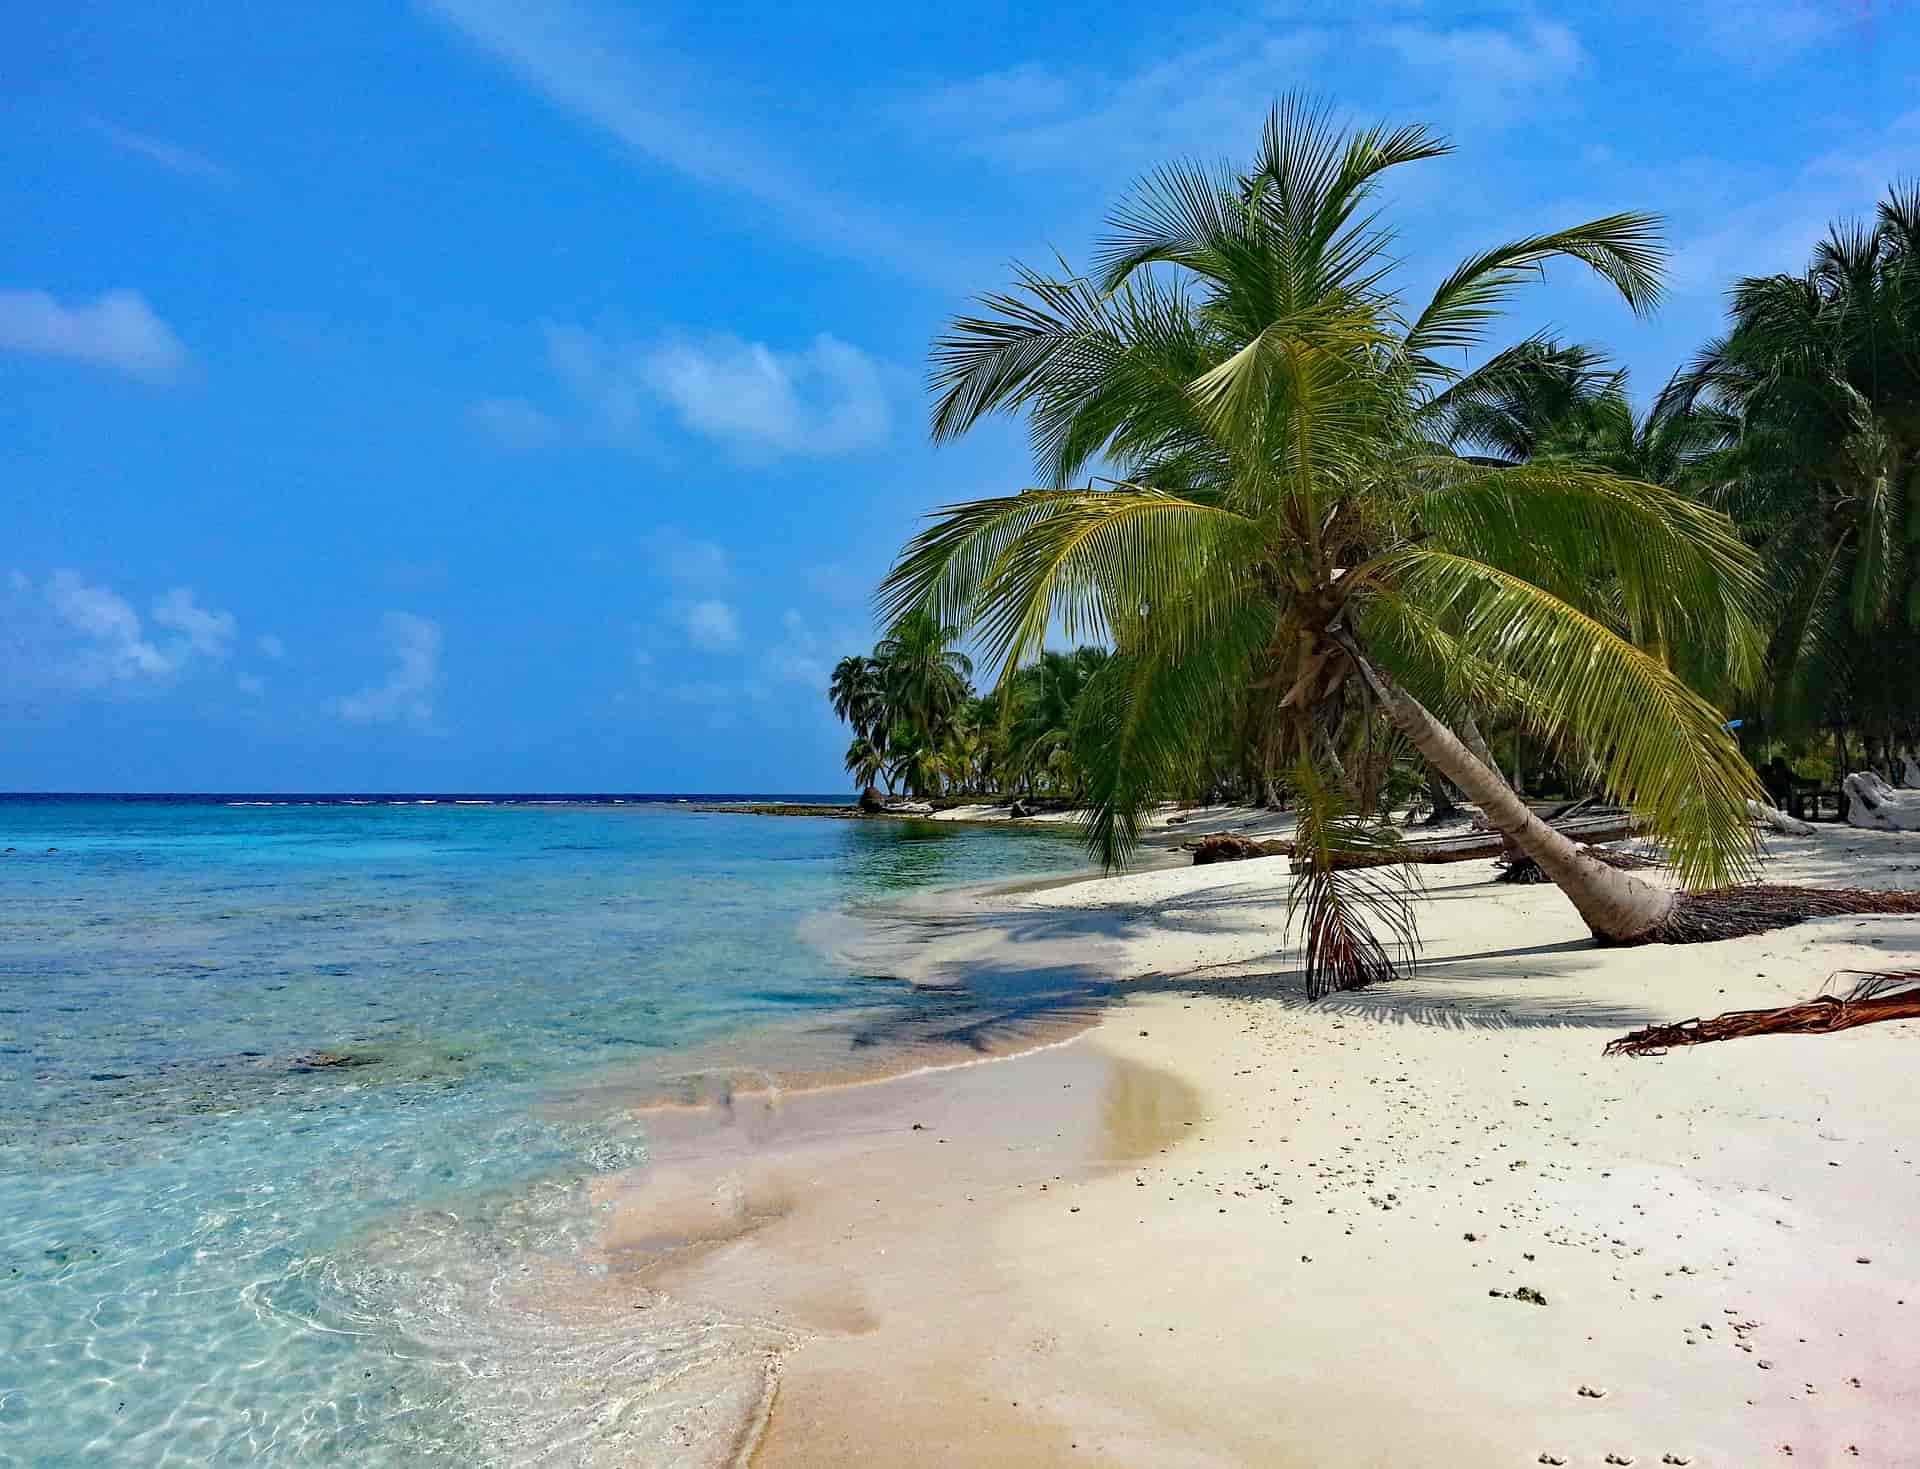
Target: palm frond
x=1341 y=907
x=1664 y=750
x=1623 y=249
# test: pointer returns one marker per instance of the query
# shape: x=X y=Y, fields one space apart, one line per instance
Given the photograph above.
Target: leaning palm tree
x=865 y=761
x=1287 y=532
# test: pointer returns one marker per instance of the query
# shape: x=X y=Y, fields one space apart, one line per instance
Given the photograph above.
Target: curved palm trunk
x=1619 y=908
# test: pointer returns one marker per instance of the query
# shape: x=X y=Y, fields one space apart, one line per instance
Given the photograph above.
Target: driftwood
x=1877 y=806
x=1875 y=997
x=1468 y=846
x=1228 y=846
x=1771 y=816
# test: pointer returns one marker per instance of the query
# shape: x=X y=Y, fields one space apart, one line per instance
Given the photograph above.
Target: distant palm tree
x=1046 y=694
x=865 y=762
x=857 y=693
x=1289 y=535
x=922 y=674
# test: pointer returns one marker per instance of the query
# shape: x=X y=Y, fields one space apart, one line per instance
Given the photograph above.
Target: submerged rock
x=324 y=1060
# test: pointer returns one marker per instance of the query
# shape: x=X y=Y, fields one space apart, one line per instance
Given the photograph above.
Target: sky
x=477 y=395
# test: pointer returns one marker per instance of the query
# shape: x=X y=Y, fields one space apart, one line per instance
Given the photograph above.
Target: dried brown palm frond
x=1889 y=996
x=1727 y=913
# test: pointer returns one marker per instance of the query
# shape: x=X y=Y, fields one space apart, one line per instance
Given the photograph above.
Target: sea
x=292 y=1089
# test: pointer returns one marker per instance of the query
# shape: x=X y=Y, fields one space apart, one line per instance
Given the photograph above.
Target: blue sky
x=475 y=394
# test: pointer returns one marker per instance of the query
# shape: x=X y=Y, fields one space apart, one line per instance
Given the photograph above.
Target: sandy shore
x=1223 y=1227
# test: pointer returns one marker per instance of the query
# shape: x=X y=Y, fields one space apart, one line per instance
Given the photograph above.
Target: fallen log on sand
x=1876 y=997
x=1474 y=844
x=1460 y=847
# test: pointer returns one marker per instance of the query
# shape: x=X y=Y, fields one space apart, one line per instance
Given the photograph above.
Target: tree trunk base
x=1731 y=913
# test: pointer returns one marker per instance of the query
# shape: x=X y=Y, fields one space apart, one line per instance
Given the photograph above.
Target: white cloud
x=270 y=645
x=206 y=633
x=712 y=626
x=117 y=646
x=513 y=422
x=117 y=330
x=827 y=399
x=157 y=150
x=824 y=399
x=113 y=645
x=610 y=71
x=406 y=695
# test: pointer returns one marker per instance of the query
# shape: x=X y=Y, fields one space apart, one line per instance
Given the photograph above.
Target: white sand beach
x=1226 y=1227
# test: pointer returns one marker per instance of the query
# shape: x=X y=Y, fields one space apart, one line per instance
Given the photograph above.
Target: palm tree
x=857 y=693
x=865 y=762
x=1821 y=372
x=924 y=682
x=1288 y=535
x=1544 y=401
x=1046 y=696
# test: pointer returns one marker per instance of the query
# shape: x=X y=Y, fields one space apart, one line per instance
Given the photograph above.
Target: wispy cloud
x=824 y=399
x=690 y=561
x=157 y=150
x=713 y=626
x=801 y=655
x=407 y=694
x=118 y=330
x=1200 y=99
x=269 y=644
x=1762 y=227
x=205 y=632
x=607 y=70
x=1197 y=100
x=96 y=639
x=1767 y=33
x=1489 y=68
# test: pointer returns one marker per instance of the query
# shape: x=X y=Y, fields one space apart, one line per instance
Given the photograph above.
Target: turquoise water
x=287 y=1092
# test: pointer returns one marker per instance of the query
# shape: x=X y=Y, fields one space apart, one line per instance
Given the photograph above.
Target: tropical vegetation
x=1324 y=561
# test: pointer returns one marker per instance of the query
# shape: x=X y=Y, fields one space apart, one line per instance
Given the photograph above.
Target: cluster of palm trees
x=1817 y=384
x=1316 y=547
x=919 y=724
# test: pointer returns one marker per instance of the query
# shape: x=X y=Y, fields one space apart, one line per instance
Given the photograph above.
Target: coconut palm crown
x=1285 y=526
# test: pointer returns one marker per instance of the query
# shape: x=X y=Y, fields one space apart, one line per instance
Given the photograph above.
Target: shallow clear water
x=216 y=1246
